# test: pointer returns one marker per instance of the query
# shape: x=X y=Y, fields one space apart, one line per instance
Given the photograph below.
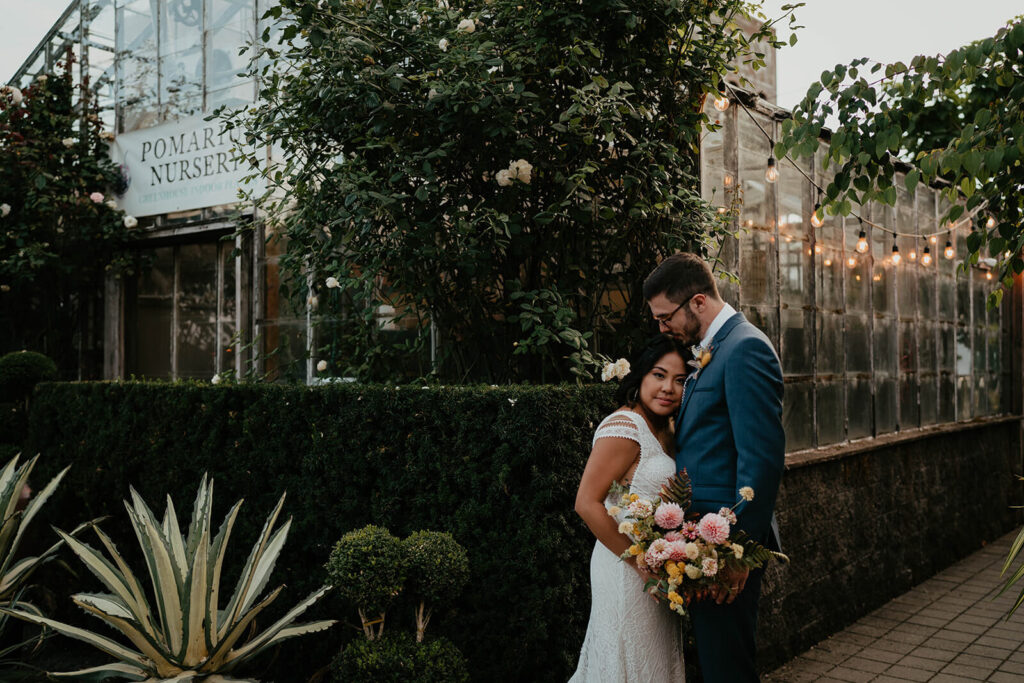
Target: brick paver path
x=949 y=628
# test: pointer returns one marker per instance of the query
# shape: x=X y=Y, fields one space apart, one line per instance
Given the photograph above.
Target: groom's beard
x=689 y=332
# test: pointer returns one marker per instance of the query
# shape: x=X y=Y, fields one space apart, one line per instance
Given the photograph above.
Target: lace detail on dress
x=630 y=638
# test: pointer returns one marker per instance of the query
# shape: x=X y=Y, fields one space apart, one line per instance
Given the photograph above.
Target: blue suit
x=728 y=435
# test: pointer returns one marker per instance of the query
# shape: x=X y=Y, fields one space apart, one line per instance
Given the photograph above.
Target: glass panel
x=766 y=320
x=797 y=407
x=929 y=399
x=197 y=315
x=830 y=344
x=794 y=242
x=908 y=346
x=994 y=395
x=963 y=398
x=753 y=154
x=757 y=268
x=885 y=346
x=909 y=410
x=858 y=344
x=284 y=351
x=181 y=58
x=830 y=413
x=980 y=405
x=795 y=349
x=227 y=313
x=858 y=407
x=712 y=161
x=926 y=346
x=137 y=61
x=885 y=405
x=858 y=279
x=829 y=272
x=155 y=304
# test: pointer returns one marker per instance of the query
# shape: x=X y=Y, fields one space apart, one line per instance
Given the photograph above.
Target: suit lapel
x=691 y=382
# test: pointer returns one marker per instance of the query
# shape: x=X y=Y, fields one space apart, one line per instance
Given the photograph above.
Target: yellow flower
x=633 y=498
x=704 y=358
x=675 y=598
x=747 y=493
x=635 y=550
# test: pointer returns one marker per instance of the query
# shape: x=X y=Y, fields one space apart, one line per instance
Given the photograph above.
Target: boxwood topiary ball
x=21 y=371
x=438 y=566
x=367 y=568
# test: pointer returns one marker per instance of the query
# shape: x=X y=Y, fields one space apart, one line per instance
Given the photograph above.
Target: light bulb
x=771 y=174
x=722 y=209
x=926 y=257
x=896 y=258
x=991 y=222
x=727 y=180
x=948 y=251
x=862 y=243
x=912 y=255
x=817 y=248
x=828 y=262
x=816 y=219
x=988 y=275
x=933 y=239
x=722 y=102
x=852 y=261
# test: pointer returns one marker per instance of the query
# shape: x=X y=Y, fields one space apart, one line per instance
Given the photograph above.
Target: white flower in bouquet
x=443 y=44
x=737 y=551
x=625 y=527
x=332 y=283
x=747 y=493
x=709 y=567
x=728 y=514
x=321 y=366
x=504 y=177
x=12 y=92
x=131 y=222
x=641 y=509
x=692 y=551
x=466 y=26
x=693 y=571
x=607 y=372
x=614 y=510
x=4 y=210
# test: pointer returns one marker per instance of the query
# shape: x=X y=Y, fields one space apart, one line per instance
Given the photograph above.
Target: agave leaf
x=167 y=586
x=201 y=513
x=217 y=552
x=143 y=613
x=183 y=677
x=98 y=674
x=255 y=647
x=263 y=640
x=156 y=657
x=265 y=566
x=36 y=503
x=9 y=491
x=1015 y=548
x=8 y=531
x=108 y=574
x=231 y=612
x=237 y=630
x=106 y=603
x=195 y=611
x=172 y=534
x=111 y=647
x=22 y=569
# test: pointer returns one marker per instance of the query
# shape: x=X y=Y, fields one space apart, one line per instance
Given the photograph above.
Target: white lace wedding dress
x=630 y=638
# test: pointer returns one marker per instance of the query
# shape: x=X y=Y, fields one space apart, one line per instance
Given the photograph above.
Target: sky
x=835 y=32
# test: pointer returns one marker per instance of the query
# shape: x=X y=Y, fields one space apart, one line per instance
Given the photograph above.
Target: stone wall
x=865 y=522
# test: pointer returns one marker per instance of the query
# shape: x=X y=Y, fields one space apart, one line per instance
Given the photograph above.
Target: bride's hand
x=646 y=576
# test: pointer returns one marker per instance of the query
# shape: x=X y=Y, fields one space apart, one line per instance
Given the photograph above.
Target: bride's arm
x=610 y=459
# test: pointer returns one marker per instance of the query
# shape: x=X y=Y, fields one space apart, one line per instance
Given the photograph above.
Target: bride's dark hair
x=642 y=362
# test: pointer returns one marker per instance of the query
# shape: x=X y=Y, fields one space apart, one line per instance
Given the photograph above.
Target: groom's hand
x=732 y=585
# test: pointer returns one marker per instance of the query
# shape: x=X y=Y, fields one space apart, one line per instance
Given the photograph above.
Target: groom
x=728 y=435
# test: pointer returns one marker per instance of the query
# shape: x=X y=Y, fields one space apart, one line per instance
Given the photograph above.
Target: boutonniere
x=701 y=357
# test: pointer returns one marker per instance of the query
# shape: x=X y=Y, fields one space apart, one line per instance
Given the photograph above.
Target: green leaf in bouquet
x=678 y=490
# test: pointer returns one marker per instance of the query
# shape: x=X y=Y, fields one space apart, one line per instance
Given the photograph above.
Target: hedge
x=496 y=467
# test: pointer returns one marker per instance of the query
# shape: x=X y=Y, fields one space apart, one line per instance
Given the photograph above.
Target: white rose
x=130 y=222
x=443 y=44
x=607 y=372
x=625 y=527
x=321 y=366
x=111 y=204
x=621 y=368
x=68 y=142
x=13 y=92
x=4 y=210
x=215 y=379
x=503 y=177
x=466 y=26
x=521 y=169
x=332 y=282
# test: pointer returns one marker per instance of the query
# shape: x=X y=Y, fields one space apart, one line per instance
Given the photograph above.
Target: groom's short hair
x=680 y=277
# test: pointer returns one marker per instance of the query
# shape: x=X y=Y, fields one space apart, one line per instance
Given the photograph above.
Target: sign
x=178 y=166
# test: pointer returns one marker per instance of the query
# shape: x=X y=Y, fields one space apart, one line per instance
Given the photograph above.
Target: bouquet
x=686 y=553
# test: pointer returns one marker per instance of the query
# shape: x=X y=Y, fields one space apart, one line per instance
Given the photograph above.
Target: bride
x=630 y=637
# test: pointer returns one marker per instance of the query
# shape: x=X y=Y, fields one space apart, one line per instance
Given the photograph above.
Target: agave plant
x=187 y=637
x=14 y=575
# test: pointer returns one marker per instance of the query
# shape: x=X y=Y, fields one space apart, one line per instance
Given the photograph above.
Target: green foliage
x=21 y=371
x=397 y=658
x=187 y=637
x=438 y=566
x=59 y=231
x=369 y=567
x=959 y=118
x=352 y=455
x=499 y=175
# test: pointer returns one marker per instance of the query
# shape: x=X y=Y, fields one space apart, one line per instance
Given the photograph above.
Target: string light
x=862 y=243
x=816 y=219
x=896 y=258
x=771 y=174
x=722 y=102
x=912 y=255
x=817 y=248
x=988 y=275
x=991 y=222
x=852 y=261
x=926 y=257
x=728 y=180
x=948 y=251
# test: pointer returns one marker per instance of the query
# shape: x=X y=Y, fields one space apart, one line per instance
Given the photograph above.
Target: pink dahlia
x=674 y=536
x=657 y=553
x=710 y=566
x=714 y=528
x=729 y=515
x=690 y=531
x=677 y=551
x=669 y=516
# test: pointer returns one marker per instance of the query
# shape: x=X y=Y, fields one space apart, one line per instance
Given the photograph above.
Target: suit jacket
x=729 y=429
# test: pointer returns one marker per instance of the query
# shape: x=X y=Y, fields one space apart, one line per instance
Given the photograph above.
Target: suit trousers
x=725 y=634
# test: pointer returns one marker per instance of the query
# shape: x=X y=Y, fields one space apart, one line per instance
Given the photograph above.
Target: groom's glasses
x=665 y=317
